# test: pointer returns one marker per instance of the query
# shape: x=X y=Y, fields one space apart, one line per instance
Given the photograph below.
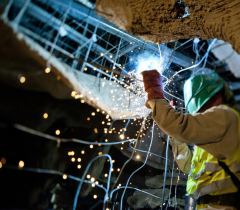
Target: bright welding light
x=147 y=61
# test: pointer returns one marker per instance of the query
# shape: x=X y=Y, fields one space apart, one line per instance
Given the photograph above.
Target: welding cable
x=138 y=169
x=64 y=140
x=106 y=197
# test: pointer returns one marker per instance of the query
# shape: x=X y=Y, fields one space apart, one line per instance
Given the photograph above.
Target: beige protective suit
x=216 y=130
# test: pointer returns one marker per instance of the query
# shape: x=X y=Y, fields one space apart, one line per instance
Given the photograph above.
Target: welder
x=212 y=125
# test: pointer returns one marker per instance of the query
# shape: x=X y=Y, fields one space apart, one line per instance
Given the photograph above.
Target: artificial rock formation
x=164 y=21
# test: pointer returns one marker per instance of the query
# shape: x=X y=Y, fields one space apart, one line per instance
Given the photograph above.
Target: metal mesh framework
x=78 y=37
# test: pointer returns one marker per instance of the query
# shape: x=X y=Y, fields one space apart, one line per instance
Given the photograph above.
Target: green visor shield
x=199 y=89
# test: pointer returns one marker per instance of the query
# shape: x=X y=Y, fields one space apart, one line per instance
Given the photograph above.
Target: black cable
x=233 y=177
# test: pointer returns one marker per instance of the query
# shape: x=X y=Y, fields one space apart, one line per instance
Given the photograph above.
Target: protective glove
x=152 y=84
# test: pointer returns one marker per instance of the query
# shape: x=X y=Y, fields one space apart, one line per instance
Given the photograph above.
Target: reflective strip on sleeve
x=215 y=188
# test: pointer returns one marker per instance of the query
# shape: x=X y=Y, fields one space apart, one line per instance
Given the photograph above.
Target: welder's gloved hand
x=153 y=84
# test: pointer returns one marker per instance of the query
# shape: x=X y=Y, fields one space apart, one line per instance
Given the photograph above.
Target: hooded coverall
x=215 y=133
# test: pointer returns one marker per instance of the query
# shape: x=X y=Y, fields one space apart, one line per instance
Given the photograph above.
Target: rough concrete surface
x=157 y=20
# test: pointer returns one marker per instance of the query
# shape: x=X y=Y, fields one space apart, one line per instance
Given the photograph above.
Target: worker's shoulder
x=224 y=109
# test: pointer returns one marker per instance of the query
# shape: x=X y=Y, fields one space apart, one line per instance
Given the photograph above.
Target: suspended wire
x=106 y=197
x=171 y=184
x=64 y=140
x=133 y=188
x=145 y=151
x=53 y=172
x=195 y=65
x=165 y=172
x=138 y=169
x=176 y=186
x=131 y=157
x=58 y=33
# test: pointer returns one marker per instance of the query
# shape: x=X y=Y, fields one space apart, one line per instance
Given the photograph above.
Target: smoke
x=147 y=61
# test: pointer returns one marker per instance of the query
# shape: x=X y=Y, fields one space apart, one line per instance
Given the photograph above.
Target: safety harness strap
x=233 y=177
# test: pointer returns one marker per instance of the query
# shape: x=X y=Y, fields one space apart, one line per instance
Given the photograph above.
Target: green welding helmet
x=199 y=89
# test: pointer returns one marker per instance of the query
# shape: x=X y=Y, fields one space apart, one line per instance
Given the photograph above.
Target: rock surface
x=158 y=20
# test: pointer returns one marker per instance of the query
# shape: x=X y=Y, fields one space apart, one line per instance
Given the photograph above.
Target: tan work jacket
x=216 y=130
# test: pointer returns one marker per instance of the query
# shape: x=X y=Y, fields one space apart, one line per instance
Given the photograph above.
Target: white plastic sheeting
x=225 y=53
x=107 y=95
